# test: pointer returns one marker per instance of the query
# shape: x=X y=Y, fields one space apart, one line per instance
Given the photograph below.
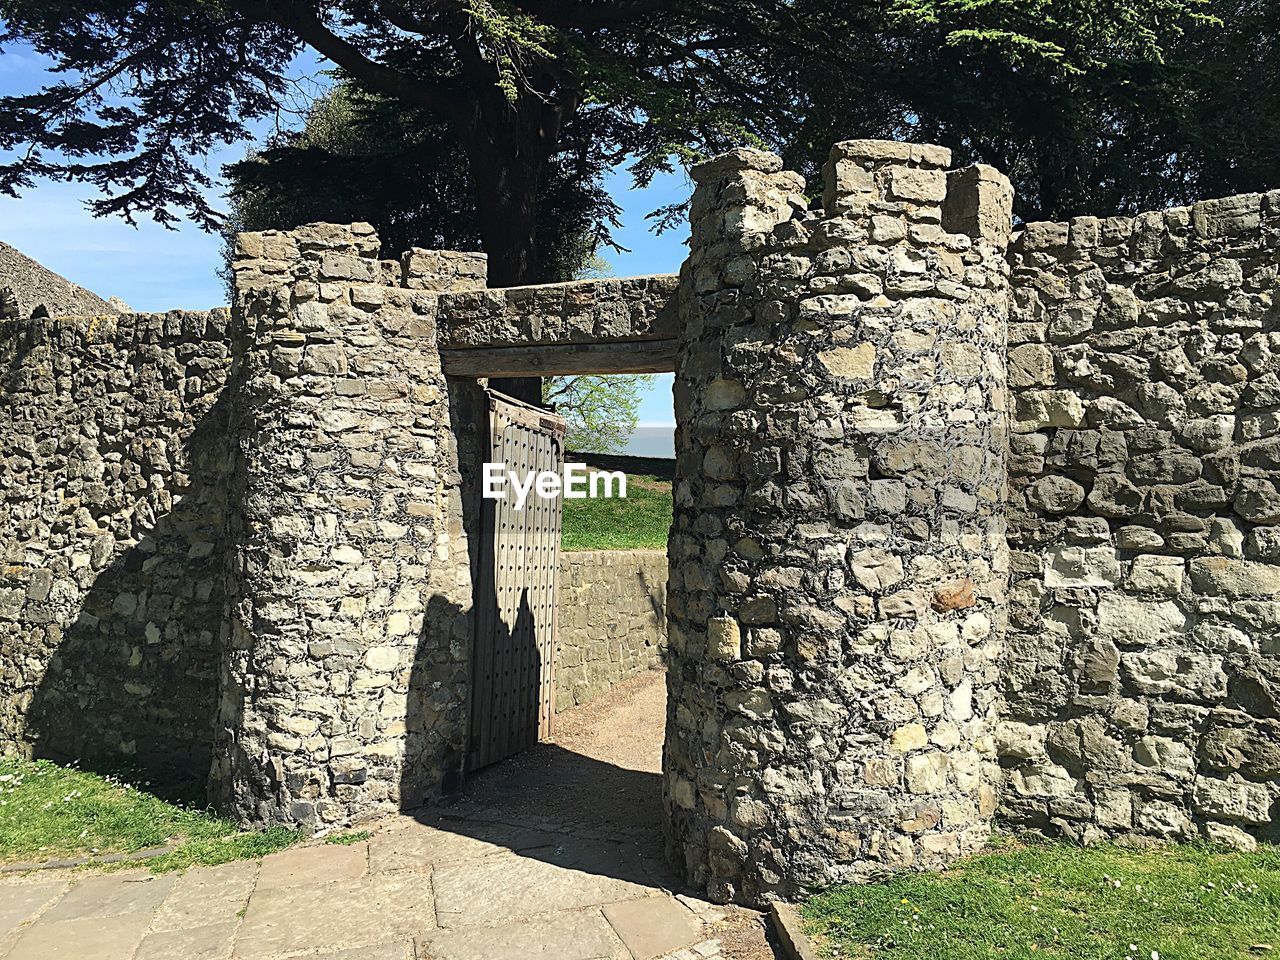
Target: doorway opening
x=569 y=689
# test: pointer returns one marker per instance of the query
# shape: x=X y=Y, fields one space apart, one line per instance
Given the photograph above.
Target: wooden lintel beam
x=562 y=359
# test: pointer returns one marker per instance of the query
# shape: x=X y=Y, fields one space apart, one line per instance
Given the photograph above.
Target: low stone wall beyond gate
x=613 y=620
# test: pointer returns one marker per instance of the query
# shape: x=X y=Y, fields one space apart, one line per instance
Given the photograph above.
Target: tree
x=153 y=84
x=362 y=156
x=1102 y=134
x=601 y=412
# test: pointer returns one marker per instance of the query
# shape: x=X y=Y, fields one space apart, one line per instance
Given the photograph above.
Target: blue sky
x=152 y=268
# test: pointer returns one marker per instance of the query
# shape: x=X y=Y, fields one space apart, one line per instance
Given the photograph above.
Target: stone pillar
x=838 y=558
x=344 y=686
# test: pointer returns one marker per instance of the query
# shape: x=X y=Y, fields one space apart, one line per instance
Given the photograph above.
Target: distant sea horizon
x=653 y=440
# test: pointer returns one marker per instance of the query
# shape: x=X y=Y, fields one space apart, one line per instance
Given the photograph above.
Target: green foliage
x=1092 y=106
x=347 y=839
x=601 y=412
x=361 y=156
x=1090 y=109
x=1074 y=36
x=48 y=811
x=510 y=38
x=640 y=521
x=1062 y=901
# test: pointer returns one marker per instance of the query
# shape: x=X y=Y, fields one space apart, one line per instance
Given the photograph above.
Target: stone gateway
x=971 y=526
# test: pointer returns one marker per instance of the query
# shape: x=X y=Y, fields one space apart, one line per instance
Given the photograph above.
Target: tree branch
x=439 y=98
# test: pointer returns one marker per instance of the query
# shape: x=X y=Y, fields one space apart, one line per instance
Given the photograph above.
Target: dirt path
x=601 y=770
x=623 y=726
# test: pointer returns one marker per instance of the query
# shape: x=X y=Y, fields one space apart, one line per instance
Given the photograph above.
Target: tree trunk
x=507 y=149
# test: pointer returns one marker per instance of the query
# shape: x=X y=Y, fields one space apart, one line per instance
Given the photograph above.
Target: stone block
x=724 y=638
x=1236 y=802
x=979 y=204
x=1020 y=741
x=1130 y=621
x=1037 y=409
x=1044 y=236
x=926 y=773
x=1156 y=574
x=1228 y=216
x=850 y=363
x=1030 y=365
x=918 y=186
x=1228 y=577
x=1078 y=566
x=1184 y=675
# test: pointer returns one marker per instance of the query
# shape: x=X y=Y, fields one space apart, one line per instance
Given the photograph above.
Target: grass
x=640 y=521
x=347 y=839
x=52 y=812
x=1055 y=900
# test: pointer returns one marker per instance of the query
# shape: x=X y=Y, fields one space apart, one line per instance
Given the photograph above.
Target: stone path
x=411 y=891
x=529 y=863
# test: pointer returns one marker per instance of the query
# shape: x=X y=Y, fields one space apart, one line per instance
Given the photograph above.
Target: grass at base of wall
x=640 y=521
x=1058 y=900
x=50 y=812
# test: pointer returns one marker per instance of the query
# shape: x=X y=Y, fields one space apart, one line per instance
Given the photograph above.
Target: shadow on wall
x=132 y=684
x=445 y=733
x=437 y=707
x=440 y=685
x=657 y=596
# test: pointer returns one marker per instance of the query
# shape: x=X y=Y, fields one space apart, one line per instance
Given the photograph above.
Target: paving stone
x=207 y=942
x=18 y=901
x=653 y=926
x=112 y=895
x=420 y=844
x=85 y=938
x=501 y=888
x=570 y=935
x=205 y=895
x=320 y=863
x=391 y=950
x=338 y=915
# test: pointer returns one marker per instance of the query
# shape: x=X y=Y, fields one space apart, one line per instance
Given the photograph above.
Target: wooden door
x=513 y=700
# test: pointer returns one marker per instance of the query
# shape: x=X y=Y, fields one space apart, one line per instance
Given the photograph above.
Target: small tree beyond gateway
x=151 y=86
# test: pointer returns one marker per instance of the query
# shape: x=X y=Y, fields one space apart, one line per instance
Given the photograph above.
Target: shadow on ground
x=591 y=799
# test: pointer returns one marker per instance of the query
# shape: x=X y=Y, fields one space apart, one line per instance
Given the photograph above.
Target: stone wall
x=114 y=455
x=837 y=560
x=1144 y=662
x=35 y=285
x=237 y=545
x=613 y=620
x=581 y=311
x=344 y=686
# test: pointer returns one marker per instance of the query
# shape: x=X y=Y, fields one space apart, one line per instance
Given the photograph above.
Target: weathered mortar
x=114 y=454
x=613 y=620
x=1143 y=680
x=837 y=561
x=279 y=496
x=344 y=686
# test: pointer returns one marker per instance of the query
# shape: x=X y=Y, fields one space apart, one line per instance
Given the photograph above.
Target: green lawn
x=50 y=812
x=1062 y=901
x=639 y=521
